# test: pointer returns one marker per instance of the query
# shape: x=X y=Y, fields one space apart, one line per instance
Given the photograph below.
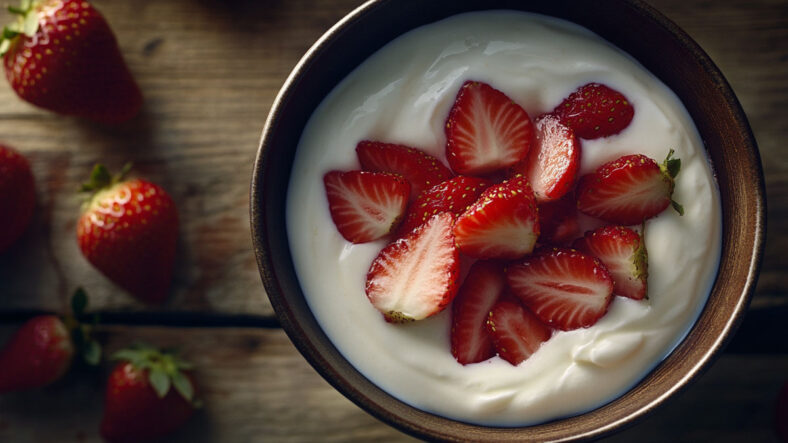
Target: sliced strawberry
x=565 y=288
x=419 y=168
x=365 y=206
x=486 y=131
x=416 y=276
x=552 y=163
x=453 y=195
x=595 y=110
x=470 y=340
x=515 y=331
x=502 y=223
x=629 y=190
x=623 y=252
x=558 y=221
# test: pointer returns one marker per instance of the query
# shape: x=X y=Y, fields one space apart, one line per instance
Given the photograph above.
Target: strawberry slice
x=623 y=252
x=595 y=110
x=629 y=190
x=419 y=168
x=486 y=131
x=558 y=221
x=515 y=331
x=565 y=288
x=454 y=195
x=502 y=223
x=365 y=206
x=552 y=163
x=416 y=276
x=470 y=340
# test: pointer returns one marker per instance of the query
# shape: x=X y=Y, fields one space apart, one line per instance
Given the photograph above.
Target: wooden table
x=209 y=70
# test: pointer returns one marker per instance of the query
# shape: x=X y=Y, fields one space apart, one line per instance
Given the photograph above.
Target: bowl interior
x=636 y=28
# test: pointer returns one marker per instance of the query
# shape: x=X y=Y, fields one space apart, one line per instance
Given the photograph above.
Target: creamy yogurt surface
x=402 y=94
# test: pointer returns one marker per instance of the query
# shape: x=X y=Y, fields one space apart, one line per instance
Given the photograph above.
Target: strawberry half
x=454 y=195
x=483 y=286
x=629 y=190
x=552 y=163
x=365 y=206
x=558 y=221
x=17 y=196
x=486 y=131
x=565 y=288
x=420 y=169
x=416 y=276
x=515 y=331
x=502 y=223
x=623 y=252
x=595 y=110
x=63 y=56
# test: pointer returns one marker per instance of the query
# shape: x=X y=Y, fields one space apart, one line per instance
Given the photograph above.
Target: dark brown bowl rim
x=743 y=241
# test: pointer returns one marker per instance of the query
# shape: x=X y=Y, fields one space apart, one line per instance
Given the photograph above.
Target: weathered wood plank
x=257 y=387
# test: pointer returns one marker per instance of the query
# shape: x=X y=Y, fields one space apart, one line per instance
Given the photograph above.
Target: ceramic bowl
x=636 y=28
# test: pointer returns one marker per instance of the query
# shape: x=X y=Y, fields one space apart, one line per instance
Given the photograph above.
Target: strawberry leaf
x=31 y=23
x=160 y=381
x=677 y=207
x=183 y=385
x=79 y=301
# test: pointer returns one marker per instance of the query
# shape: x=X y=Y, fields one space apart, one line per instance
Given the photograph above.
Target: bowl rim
x=357 y=388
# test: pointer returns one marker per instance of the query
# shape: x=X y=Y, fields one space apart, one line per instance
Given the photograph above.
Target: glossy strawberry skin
x=565 y=288
x=595 y=110
x=73 y=65
x=132 y=410
x=515 y=331
x=454 y=195
x=365 y=206
x=483 y=287
x=17 y=196
x=486 y=131
x=502 y=224
x=129 y=233
x=420 y=169
x=39 y=353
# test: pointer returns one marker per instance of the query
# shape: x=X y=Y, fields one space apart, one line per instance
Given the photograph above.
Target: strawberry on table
x=39 y=353
x=420 y=169
x=503 y=223
x=415 y=276
x=61 y=55
x=565 y=288
x=516 y=332
x=128 y=230
x=17 y=196
x=149 y=394
x=595 y=110
x=453 y=195
x=483 y=286
x=552 y=163
x=486 y=131
x=630 y=189
x=365 y=206
x=623 y=252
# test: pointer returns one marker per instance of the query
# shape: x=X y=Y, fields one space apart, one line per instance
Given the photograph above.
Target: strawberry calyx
x=101 y=179
x=26 y=23
x=165 y=370
x=82 y=331
x=670 y=169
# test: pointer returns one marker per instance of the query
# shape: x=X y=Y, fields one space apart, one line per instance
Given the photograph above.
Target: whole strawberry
x=38 y=354
x=149 y=395
x=61 y=55
x=128 y=231
x=17 y=196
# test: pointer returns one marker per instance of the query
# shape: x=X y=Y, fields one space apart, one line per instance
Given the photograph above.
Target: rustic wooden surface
x=209 y=70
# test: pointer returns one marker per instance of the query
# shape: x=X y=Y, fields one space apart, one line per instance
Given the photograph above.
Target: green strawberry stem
x=670 y=168
x=82 y=333
x=165 y=369
x=26 y=23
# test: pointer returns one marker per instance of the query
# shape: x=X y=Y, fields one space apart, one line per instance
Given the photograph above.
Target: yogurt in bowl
x=402 y=94
x=405 y=374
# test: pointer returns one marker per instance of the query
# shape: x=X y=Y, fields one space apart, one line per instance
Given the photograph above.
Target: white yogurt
x=402 y=94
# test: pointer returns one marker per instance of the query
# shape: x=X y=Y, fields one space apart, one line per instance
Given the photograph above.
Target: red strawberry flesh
x=552 y=163
x=485 y=131
x=454 y=195
x=565 y=288
x=623 y=252
x=516 y=332
x=420 y=169
x=365 y=206
x=415 y=277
